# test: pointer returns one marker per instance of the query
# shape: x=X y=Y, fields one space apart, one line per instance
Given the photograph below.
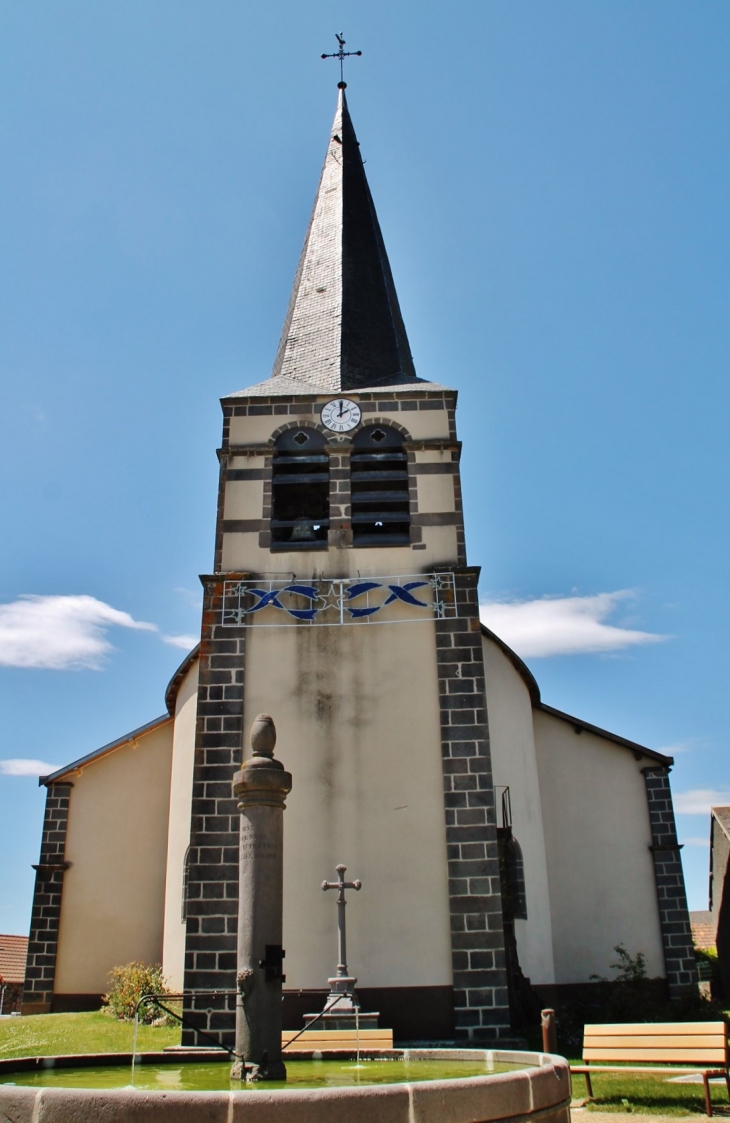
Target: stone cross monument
x=261 y=787
x=342 y=1008
x=342 y=986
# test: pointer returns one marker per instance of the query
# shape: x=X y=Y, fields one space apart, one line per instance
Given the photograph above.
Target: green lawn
x=636 y=1092
x=46 y=1034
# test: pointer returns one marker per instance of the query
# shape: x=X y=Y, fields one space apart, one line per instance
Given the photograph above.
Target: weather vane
x=342 y=54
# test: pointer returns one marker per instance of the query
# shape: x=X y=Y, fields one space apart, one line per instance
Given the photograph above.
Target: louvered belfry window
x=300 y=491
x=379 y=488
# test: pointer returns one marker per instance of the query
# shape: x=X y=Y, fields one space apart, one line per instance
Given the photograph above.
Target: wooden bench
x=696 y=1047
x=320 y=1039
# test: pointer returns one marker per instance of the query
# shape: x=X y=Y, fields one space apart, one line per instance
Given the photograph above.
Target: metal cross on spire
x=342 y=54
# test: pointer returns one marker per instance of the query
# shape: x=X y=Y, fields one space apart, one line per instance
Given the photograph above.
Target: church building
x=498 y=840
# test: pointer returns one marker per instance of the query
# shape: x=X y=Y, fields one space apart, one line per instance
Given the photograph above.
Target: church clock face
x=341 y=415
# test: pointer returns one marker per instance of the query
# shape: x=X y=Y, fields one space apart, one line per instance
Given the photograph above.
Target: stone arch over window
x=304 y=426
x=387 y=423
x=379 y=487
x=300 y=489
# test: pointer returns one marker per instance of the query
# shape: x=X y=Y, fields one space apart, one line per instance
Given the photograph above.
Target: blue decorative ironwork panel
x=329 y=602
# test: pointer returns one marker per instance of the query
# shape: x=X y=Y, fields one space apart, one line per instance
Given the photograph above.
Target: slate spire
x=343 y=328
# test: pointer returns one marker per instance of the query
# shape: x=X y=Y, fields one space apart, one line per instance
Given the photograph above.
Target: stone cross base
x=342 y=1008
x=344 y=1019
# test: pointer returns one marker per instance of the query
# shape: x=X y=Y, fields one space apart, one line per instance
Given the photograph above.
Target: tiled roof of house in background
x=13 y=952
x=703 y=930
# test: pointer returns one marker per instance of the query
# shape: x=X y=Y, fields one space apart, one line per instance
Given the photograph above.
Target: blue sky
x=552 y=182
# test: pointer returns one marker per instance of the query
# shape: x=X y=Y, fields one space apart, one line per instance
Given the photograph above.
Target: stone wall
x=212 y=887
x=40 y=971
x=673 y=914
x=481 y=1009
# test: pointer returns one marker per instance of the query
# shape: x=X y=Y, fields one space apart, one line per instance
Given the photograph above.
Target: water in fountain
x=214 y=1075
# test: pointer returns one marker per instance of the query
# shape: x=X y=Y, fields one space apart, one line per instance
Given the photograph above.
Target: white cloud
x=59 y=632
x=704 y=842
x=20 y=767
x=187 y=643
x=563 y=625
x=698 y=801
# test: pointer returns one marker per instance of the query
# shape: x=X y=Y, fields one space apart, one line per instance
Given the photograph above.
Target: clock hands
x=340 y=415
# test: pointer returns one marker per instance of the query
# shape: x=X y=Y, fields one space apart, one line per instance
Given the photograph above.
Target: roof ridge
x=125 y=739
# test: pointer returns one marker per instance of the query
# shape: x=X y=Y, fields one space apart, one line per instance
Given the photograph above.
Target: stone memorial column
x=261 y=787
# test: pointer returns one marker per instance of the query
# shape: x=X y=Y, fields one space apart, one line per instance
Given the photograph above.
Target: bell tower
x=341 y=602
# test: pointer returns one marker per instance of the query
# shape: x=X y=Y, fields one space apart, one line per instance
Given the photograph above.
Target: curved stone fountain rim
x=540 y=1091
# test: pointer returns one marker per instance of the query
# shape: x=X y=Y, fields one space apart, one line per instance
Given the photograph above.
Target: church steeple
x=343 y=328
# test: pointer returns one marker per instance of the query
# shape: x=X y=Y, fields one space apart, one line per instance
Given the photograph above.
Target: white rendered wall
x=512 y=743
x=114 y=890
x=178 y=836
x=600 y=867
x=241 y=551
x=356 y=709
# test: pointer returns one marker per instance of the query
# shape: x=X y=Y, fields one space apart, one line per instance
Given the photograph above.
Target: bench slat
x=333 y=1040
x=342 y=1034
x=323 y=1039
x=668 y=1056
x=651 y=1042
x=376 y=1047
x=658 y=1070
x=671 y=1029
x=338 y=1043
x=344 y=1042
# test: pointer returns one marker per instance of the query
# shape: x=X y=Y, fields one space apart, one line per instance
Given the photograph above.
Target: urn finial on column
x=263 y=735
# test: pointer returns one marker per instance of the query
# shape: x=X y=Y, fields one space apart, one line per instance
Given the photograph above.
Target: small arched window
x=379 y=488
x=300 y=484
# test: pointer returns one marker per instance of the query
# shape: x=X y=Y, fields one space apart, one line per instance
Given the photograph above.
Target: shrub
x=631 y=996
x=128 y=985
x=630 y=969
x=706 y=955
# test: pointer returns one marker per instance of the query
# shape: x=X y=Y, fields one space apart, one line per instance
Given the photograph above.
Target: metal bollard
x=549 y=1031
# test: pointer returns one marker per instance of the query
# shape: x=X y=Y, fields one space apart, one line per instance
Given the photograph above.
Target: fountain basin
x=538 y=1090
